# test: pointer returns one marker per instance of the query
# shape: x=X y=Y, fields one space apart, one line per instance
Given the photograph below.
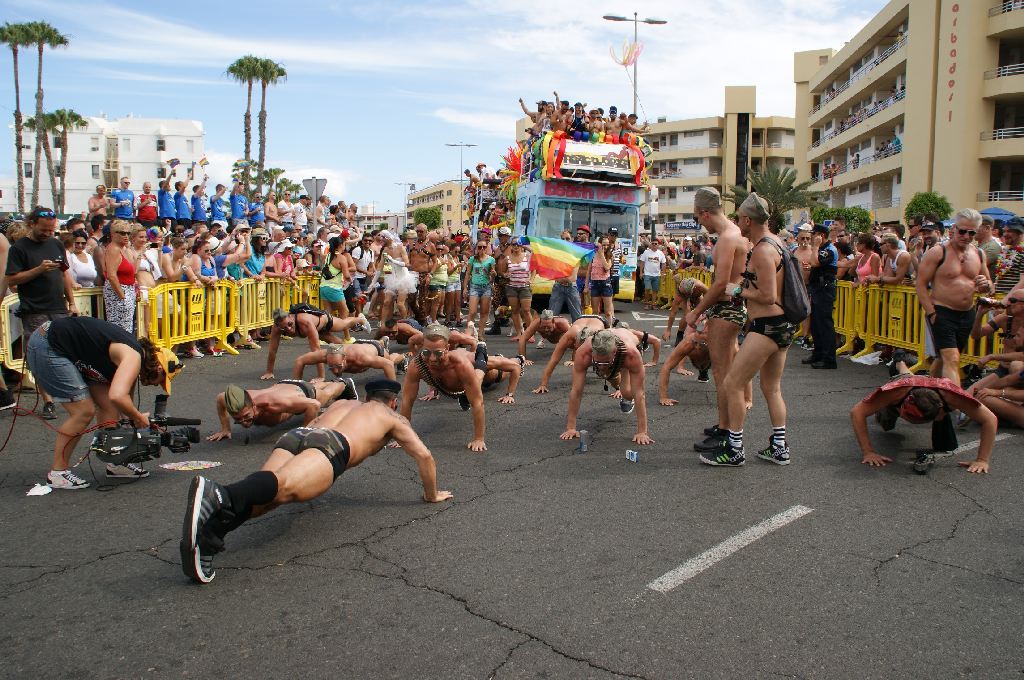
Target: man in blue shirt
x=217 y=216
x=821 y=286
x=165 y=205
x=256 y=210
x=198 y=206
x=239 y=206
x=182 y=205
x=124 y=201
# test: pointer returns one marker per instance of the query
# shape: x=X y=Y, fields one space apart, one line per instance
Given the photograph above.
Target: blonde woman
x=119 y=288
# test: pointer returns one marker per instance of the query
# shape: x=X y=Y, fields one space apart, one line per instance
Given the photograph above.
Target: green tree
x=284 y=184
x=65 y=120
x=16 y=36
x=928 y=202
x=42 y=35
x=245 y=70
x=268 y=73
x=48 y=126
x=778 y=186
x=429 y=216
x=857 y=219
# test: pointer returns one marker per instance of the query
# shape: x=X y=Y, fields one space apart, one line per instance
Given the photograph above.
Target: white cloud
x=339 y=180
x=491 y=124
x=145 y=77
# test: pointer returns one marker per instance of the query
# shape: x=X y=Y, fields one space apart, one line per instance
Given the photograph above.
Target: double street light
x=461 y=145
x=636 y=22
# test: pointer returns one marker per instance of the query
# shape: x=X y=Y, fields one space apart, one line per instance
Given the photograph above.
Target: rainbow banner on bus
x=554 y=258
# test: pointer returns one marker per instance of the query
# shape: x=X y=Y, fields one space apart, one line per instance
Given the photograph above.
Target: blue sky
x=375 y=90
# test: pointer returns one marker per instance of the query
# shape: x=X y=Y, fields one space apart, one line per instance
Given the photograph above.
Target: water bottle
x=584 y=441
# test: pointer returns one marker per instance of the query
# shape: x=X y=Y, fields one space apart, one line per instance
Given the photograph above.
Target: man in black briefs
x=274 y=405
x=311 y=323
x=305 y=463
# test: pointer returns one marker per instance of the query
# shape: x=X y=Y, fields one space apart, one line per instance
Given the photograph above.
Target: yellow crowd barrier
x=184 y=312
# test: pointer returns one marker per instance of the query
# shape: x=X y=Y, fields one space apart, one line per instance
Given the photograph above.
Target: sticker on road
x=191 y=465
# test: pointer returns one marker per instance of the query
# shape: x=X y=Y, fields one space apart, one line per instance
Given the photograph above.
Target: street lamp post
x=405 y=204
x=461 y=145
x=636 y=22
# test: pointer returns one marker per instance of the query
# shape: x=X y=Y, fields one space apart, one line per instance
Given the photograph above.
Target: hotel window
x=95 y=172
x=161 y=145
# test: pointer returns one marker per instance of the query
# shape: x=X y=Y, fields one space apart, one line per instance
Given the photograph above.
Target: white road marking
x=637 y=316
x=975 y=444
x=709 y=558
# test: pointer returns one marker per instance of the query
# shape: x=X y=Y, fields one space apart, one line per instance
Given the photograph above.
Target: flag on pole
x=554 y=258
x=203 y=162
x=174 y=162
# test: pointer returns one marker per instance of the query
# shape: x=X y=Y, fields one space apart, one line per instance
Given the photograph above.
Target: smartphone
x=64 y=266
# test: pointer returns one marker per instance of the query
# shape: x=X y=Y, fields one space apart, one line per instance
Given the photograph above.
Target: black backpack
x=796 y=303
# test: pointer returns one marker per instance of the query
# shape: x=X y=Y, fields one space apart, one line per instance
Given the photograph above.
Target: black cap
x=382 y=385
x=1017 y=224
x=820 y=229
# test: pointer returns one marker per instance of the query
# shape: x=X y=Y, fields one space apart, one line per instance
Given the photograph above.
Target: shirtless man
x=399 y=330
x=274 y=405
x=947 y=279
x=311 y=323
x=1010 y=324
x=422 y=260
x=694 y=346
x=726 y=316
x=616 y=358
x=806 y=255
x=456 y=339
x=305 y=463
x=537 y=117
x=569 y=338
x=688 y=294
x=766 y=344
x=548 y=326
x=362 y=355
x=920 y=399
x=456 y=374
x=613 y=126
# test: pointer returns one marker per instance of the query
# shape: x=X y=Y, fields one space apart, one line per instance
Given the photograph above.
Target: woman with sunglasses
x=254 y=270
x=83 y=269
x=335 y=276
x=479 y=275
x=119 y=288
x=204 y=269
x=518 y=289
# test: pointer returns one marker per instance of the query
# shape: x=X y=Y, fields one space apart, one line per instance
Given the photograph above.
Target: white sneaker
x=130 y=471
x=471 y=330
x=65 y=479
x=363 y=325
x=540 y=343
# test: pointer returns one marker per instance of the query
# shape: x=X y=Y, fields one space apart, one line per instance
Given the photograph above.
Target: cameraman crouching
x=89 y=367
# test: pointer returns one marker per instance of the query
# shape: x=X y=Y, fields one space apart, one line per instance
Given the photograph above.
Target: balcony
x=1006 y=20
x=713 y=150
x=859 y=74
x=1002 y=83
x=861 y=117
x=1004 y=143
x=1000 y=196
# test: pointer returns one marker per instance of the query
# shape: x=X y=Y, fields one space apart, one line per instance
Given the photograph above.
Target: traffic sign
x=315 y=187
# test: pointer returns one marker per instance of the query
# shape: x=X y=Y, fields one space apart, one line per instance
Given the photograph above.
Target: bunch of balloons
x=630 y=53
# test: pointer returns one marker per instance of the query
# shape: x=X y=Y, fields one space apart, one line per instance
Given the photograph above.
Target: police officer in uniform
x=822 y=289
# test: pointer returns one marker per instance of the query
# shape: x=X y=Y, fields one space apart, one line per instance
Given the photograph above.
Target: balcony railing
x=1008 y=6
x=861 y=117
x=853 y=165
x=1011 y=70
x=891 y=202
x=1004 y=133
x=994 y=196
x=860 y=73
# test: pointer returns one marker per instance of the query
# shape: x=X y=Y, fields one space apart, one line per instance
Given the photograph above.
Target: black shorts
x=307 y=388
x=377 y=344
x=775 y=328
x=332 y=444
x=951 y=328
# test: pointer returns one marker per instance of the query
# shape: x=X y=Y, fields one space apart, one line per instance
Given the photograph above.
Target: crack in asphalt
x=910 y=548
x=508 y=657
x=967 y=569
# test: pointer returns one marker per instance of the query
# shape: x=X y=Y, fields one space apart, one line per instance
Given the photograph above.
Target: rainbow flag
x=554 y=258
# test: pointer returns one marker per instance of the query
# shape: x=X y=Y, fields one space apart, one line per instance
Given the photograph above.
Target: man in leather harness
x=565 y=339
x=422 y=260
x=455 y=374
x=361 y=355
x=308 y=322
x=305 y=463
x=616 y=358
x=274 y=405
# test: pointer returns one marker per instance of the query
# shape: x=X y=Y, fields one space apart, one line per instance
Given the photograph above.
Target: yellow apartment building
x=928 y=96
x=445 y=195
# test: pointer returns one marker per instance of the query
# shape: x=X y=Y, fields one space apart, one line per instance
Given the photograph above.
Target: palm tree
x=42 y=35
x=778 y=186
x=272 y=177
x=48 y=126
x=64 y=121
x=16 y=36
x=245 y=70
x=270 y=73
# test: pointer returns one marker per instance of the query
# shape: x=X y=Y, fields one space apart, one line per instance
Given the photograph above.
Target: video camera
x=125 y=444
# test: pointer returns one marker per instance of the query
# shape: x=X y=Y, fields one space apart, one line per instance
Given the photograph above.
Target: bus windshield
x=555 y=216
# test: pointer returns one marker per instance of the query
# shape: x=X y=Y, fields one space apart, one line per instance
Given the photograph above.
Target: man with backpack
x=775 y=300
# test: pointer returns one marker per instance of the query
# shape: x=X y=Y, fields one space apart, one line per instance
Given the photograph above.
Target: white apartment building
x=106 y=150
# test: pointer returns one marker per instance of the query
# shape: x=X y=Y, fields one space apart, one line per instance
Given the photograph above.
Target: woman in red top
x=147 y=206
x=119 y=290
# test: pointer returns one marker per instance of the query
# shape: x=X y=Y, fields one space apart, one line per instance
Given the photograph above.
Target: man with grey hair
x=765 y=347
x=305 y=321
x=947 y=279
x=726 y=315
x=615 y=355
x=549 y=326
x=361 y=355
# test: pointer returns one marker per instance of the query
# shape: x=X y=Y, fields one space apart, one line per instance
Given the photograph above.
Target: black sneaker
x=205 y=499
x=350 y=391
x=775 y=454
x=7 y=400
x=924 y=462
x=714 y=431
x=711 y=443
x=49 y=411
x=626 y=405
x=403 y=365
x=704 y=375
x=723 y=456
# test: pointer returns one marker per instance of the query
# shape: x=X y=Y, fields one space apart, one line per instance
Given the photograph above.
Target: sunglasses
x=436 y=353
x=966 y=231
x=46 y=214
x=123 y=233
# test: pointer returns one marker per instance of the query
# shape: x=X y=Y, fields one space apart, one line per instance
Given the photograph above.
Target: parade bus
x=600 y=184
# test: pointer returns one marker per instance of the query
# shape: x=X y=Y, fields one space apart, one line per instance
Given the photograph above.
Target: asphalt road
x=539 y=567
